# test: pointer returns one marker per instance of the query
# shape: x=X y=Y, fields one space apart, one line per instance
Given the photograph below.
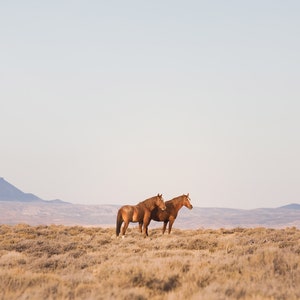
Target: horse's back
x=126 y=212
x=132 y=213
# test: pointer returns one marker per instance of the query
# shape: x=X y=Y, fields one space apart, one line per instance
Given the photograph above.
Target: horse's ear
x=188 y=194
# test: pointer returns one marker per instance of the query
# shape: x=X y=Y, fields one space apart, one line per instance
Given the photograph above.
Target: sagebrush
x=60 y=262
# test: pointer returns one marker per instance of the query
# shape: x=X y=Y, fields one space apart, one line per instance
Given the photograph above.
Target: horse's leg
x=140 y=226
x=125 y=226
x=145 y=229
x=171 y=222
x=164 y=226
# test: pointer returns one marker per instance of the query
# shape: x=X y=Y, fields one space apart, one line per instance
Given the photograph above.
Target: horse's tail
x=119 y=222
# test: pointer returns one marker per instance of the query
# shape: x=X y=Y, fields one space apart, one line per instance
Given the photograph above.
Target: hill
x=291 y=206
x=62 y=213
x=18 y=207
x=8 y=192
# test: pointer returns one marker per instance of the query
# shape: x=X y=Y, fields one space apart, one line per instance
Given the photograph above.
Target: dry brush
x=60 y=262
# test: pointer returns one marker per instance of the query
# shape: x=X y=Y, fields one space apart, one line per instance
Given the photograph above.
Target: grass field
x=60 y=262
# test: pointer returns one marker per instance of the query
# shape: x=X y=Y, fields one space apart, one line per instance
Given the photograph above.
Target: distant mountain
x=9 y=192
x=291 y=206
x=19 y=207
x=48 y=212
x=224 y=217
x=58 y=201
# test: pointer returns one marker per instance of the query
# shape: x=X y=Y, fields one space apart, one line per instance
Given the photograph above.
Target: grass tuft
x=61 y=262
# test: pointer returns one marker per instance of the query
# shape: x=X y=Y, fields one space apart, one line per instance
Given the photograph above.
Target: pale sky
x=112 y=102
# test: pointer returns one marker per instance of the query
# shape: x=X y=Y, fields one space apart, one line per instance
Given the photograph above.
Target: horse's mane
x=147 y=200
x=175 y=199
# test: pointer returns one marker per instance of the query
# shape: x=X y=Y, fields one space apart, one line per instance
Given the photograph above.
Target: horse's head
x=159 y=201
x=187 y=201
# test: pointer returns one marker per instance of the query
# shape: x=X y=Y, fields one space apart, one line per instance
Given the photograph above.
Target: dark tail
x=119 y=222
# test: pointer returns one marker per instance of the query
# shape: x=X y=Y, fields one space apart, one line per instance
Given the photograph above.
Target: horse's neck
x=148 y=204
x=177 y=203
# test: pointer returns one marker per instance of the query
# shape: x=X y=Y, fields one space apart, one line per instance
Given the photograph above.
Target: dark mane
x=147 y=200
x=174 y=200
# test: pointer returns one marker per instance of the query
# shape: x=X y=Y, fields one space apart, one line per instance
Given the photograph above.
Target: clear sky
x=112 y=102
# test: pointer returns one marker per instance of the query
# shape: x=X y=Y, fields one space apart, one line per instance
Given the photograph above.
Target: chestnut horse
x=170 y=214
x=138 y=213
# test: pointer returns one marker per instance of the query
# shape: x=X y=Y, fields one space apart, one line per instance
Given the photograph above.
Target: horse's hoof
x=123 y=236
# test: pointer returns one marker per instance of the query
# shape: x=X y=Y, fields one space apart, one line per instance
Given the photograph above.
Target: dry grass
x=59 y=262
